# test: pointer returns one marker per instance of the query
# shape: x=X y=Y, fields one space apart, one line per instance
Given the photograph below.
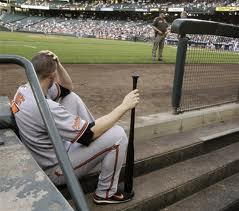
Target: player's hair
x=44 y=65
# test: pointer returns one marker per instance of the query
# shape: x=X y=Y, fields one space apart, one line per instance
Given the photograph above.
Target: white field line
x=30 y=46
x=20 y=45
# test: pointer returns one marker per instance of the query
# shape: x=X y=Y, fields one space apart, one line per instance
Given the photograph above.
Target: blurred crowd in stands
x=105 y=29
x=138 y=4
x=111 y=29
x=207 y=41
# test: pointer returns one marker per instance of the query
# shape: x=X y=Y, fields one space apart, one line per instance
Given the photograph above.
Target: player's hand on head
x=49 y=53
x=131 y=99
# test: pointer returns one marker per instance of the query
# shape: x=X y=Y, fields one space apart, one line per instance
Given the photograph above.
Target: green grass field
x=85 y=50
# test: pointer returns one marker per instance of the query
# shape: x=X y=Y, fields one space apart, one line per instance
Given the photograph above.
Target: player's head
x=183 y=14
x=45 y=66
x=162 y=15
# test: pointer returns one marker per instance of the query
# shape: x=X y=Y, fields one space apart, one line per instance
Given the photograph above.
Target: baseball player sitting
x=87 y=141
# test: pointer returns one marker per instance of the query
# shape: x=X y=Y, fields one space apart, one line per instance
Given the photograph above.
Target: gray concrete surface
x=162 y=124
x=220 y=196
x=23 y=185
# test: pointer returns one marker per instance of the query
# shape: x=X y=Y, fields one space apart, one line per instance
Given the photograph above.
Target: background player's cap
x=162 y=12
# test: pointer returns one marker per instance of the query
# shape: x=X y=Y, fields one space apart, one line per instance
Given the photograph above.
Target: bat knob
x=135 y=78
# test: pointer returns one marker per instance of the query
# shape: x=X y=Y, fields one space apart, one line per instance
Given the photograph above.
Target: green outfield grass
x=82 y=50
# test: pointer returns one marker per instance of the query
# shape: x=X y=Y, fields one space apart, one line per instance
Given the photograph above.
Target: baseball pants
x=158 y=44
x=109 y=150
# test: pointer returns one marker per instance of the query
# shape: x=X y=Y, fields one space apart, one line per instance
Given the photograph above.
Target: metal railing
x=65 y=164
x=206 y=75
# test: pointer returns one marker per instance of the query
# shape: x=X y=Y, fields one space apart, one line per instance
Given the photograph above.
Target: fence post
x=179 y=72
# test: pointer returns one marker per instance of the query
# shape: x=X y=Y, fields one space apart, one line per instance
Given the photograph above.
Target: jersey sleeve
x=71 y=128
x=54 y=91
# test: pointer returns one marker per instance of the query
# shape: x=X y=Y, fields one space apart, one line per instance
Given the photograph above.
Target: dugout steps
x=223 y=196
x=186 y=152
x=163 y=187
x=158 y=153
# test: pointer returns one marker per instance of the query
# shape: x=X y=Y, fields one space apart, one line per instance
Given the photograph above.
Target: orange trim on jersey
x=76 y=124
x=83 y=129
x=19 y=98
x=14 y=108
x=112 y=179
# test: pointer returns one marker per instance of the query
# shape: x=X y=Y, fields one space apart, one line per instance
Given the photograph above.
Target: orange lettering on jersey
x=19 y=98
x=76 y=124
x=16 y=102
x=14 y=108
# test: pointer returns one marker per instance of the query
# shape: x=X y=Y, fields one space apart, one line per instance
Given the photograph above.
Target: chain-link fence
x=209 y=73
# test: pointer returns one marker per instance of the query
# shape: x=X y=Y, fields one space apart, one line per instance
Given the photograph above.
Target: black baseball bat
x=129 y=168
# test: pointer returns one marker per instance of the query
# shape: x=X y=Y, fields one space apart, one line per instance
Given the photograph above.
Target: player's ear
x=52 y=75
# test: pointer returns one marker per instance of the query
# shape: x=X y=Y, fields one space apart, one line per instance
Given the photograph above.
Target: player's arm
x=155 y=29
x=73 y=128
x=63 y=77
x=106 y=122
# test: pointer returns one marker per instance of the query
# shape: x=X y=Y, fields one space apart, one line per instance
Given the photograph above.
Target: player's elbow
x=69 y=86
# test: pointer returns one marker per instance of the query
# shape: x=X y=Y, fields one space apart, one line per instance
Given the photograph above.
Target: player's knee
x=121 y=135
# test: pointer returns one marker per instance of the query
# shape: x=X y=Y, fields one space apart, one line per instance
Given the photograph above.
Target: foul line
x=30 y=46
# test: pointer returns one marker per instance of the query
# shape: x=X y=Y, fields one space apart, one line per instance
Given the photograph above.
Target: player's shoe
x=117 y=198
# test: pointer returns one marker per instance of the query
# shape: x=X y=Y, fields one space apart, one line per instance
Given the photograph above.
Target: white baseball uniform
x=73 y=121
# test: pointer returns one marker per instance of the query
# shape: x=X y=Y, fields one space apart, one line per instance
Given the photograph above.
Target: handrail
x=71 y=180
x=184 y=26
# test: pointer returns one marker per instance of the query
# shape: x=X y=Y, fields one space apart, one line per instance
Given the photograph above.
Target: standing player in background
x=86 y=140
x=160 y=27
x=183 y=14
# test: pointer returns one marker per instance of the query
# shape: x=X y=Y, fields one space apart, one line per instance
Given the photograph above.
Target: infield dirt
x=103 y=86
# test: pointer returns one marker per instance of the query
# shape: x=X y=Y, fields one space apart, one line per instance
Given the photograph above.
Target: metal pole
x=71 y=180
x=179 y=72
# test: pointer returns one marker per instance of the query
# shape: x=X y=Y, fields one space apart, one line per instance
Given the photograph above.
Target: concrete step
x=161 y=152
x=223 y=195
x=160 y=124
x=163 y=187
x=23 y=184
